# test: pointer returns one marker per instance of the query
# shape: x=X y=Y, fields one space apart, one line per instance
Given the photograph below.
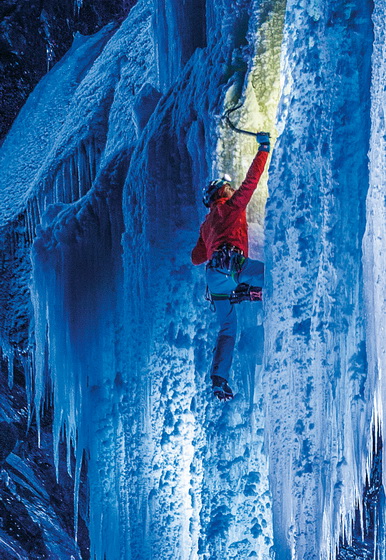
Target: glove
x=263 y=139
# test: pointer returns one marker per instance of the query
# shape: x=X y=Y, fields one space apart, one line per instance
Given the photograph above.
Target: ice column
x=374 y=242
x=319 y=404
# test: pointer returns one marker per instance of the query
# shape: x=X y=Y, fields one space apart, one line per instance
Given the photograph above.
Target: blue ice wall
x=106 y=196
x=319 y=394
x=179 y=29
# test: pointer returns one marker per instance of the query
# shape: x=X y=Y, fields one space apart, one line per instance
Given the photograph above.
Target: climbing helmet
x=213 y=187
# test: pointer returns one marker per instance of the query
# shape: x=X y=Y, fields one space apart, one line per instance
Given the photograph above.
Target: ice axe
x=240 y=130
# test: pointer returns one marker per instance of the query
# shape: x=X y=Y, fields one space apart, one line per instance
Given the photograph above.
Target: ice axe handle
x=240 y=130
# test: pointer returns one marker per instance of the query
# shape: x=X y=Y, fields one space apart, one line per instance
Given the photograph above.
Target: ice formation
x=101 y=202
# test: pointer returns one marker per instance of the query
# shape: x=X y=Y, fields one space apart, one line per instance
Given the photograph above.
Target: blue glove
x=263 y=139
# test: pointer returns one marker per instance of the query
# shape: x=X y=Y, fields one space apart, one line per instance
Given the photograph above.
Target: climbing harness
x=243 y=292
x=227 y=259
x=240 y=130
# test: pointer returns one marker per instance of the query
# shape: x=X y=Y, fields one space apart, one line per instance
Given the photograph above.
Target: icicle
x=78 y=469
x=29 y=220
x=56 y=432
x=80 y=160
x=40 y=201
x=37 y=212
x=90 y=148
x=59 y=180
x=65 y=182
x=50 y=197
x=8 y=353
x=39 y=300
x=75 y=176
x=70 y=445
x=77 y=6
x=28 y=223
x=362 y=519
x=27 y=363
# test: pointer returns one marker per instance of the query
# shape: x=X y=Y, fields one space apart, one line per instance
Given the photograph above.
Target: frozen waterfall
x=103 y=313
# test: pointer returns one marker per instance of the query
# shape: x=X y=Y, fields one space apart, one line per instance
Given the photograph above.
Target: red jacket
x=227 y=219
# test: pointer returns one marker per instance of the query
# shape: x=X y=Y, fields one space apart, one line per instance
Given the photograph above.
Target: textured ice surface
x=33 y=142
x=374 y=256
x=105 y=184
x=320 y=399
x=127 y=348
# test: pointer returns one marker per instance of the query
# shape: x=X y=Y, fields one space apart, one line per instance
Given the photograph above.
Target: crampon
x=221 y=389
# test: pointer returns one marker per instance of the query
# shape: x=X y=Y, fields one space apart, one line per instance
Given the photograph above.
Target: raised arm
x=243 y=195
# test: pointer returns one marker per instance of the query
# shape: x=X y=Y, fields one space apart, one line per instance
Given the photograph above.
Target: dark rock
x=34 y=35
x=8 y=439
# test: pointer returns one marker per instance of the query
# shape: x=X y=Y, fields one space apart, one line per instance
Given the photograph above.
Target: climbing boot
x=221 y=389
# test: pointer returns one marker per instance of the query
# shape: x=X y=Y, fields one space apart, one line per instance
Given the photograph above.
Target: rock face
x=35 y=35
x=36 y=508
x=112 y=447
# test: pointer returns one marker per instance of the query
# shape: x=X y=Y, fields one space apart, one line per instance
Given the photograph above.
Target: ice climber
x=230 y=273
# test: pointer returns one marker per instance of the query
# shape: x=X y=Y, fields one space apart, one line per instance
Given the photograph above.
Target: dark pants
x=222 y=282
